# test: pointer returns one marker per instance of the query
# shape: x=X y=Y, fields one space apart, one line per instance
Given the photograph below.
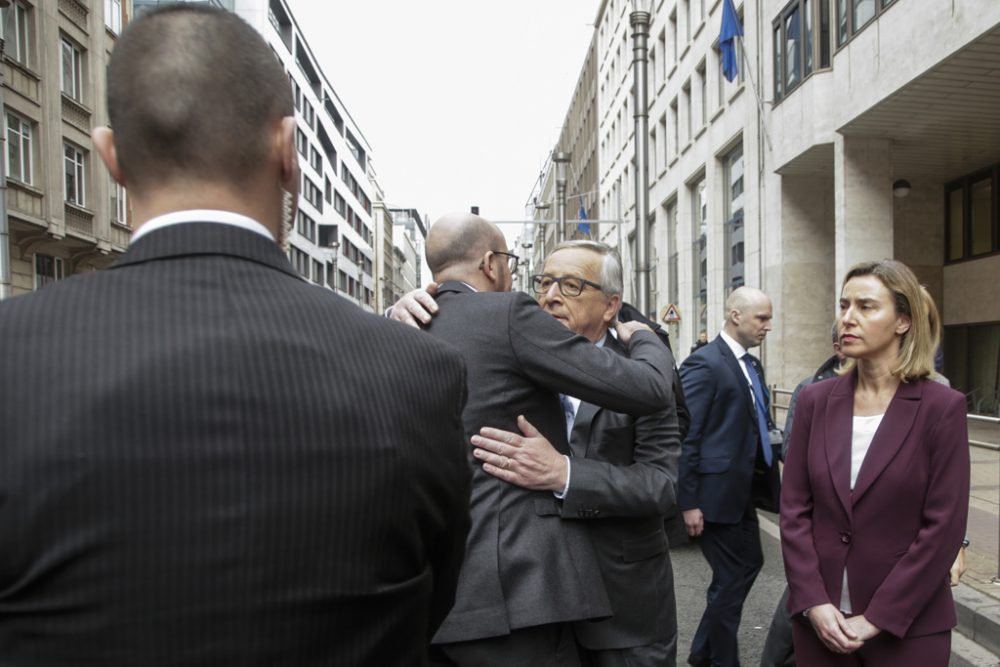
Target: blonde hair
x=919 y=343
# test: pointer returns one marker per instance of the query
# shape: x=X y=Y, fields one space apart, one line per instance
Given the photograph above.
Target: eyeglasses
x=512 y=259
x=568 y=285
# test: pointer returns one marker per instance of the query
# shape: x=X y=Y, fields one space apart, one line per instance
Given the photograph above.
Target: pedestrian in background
x=206 y=460
x=727 y=468
x=876 y=488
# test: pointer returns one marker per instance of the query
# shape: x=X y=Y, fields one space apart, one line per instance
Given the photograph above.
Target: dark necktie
x=761 y=405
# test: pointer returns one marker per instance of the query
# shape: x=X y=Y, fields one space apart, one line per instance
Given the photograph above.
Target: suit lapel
x=891 y=434
x=734 y=367
x=837 y=438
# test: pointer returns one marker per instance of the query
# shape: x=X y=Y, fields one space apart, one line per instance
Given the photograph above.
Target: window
x=665 y=149
x=306 y=226
x=971 y=216
x=15 y=31
x=72 y=70
x=853 y=16
x=113 y=15
x=971 y=357
x=797 y=52
x=312 y=193
x=327 y=190
x=18 y=148
x=48 y=270
x=315 y=160
x=673 y=35
x=699 y=216
x=119 y=206
x=688 y=116
x=73 y=162
x=662 y=40
x=300 y=260
x=702 y=95
x=673 y=291
x=675 y=122
x=317 y=272
x=301 y=142
x=309 y=114
x=733 y=201
x=339 y=205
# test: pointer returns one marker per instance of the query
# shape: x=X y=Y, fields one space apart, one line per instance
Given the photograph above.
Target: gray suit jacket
x=624 y=479
x=525 y=566
x=208 y=461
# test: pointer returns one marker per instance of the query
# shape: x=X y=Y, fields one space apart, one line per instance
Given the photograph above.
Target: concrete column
x=863 y=201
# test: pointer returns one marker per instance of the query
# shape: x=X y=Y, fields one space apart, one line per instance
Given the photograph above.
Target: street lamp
x=640 y=18
x=526 y=269
x=561 y=159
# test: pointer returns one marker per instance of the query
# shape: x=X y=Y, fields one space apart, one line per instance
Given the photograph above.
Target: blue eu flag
x=582 y=215
x=728 y=32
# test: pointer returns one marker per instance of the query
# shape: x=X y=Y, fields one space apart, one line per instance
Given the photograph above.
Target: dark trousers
x=778 y=645
x=549 y=645
x=734 y=553
x=883 y=650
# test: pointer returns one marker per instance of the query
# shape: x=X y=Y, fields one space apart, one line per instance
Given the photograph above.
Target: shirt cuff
x=569 y=473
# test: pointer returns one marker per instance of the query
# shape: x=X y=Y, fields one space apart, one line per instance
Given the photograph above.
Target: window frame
x=76 y=57
x=21 y=138
x=964 y=185
x=80 y=174
x=118 y=202
x=110 y=12
x=17 y=48
x=58 y=270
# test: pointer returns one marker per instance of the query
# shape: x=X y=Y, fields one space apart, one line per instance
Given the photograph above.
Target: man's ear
x=288 y=155
x=104 y=144
x=486 y=266
x=611 y=308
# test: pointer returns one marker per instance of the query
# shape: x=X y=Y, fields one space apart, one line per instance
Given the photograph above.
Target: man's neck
x=164 y=201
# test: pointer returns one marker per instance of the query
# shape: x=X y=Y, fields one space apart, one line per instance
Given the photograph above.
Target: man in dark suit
x=727 y=468
x=621 y=477
x=527 y=573
x=201 y=461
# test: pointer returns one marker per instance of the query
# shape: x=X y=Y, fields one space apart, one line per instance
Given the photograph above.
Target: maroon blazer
x=899 y=531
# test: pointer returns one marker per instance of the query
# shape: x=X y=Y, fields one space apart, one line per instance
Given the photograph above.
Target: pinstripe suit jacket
x=524 y=565
x=207 y=461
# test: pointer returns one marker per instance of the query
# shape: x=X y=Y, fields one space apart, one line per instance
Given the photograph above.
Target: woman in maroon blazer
x=876 y=487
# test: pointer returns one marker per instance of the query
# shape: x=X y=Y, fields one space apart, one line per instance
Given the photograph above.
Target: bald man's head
x=748 y=316
x=457 y=244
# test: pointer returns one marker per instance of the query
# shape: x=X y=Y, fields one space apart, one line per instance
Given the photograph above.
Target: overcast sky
x=460 y=100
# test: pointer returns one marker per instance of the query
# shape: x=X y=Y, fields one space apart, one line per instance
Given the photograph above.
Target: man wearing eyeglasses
x=622 y=472
x=527 y=573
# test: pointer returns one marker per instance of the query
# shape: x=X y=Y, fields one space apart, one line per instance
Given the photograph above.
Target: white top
x=862 y=433
x=200 y=215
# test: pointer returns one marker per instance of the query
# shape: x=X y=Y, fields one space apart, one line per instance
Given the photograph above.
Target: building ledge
x=715 y=116
x=697 y=135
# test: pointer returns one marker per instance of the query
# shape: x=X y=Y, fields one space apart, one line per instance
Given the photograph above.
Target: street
x=691 y=578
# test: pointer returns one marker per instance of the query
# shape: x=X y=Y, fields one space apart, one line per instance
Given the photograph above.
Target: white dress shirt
x=200 y=215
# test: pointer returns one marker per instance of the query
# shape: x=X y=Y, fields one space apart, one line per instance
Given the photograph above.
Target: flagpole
x=753 y=87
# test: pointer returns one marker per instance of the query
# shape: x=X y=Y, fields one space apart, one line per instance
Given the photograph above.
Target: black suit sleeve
x=698 y=381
